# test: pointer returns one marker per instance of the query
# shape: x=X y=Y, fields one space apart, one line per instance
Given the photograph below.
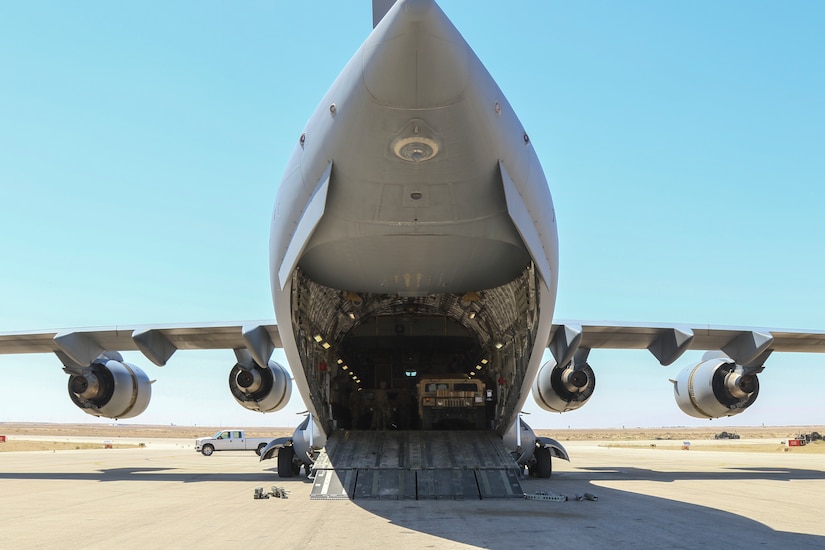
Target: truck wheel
x=285 y=456
x=544 y=466
x=260 y=449
x=207 y=450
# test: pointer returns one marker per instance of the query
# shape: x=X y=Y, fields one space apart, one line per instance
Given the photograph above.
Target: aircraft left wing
x=102 y=384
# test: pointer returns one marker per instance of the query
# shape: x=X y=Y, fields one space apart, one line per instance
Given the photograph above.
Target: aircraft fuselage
x=413 y=231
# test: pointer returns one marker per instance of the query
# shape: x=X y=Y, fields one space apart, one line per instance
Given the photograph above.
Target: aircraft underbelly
x=431 y=263
x=434 y=227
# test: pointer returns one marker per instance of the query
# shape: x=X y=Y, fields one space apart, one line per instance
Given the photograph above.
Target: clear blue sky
x=141 y=146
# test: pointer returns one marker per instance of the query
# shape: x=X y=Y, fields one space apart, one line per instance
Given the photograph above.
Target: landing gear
x=544 y=465
x=285 y=460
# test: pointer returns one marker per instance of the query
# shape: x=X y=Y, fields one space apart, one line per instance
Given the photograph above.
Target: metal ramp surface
x=415 y=465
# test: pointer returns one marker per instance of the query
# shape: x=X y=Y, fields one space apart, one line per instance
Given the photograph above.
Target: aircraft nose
x=415 y=58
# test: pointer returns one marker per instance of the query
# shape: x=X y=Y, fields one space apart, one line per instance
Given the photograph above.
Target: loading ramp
x=415 y=465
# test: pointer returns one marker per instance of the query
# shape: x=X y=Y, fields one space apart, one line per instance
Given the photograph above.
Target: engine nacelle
x=262 y=390
x=111 y=388
x=562 y=389
x=715 y=388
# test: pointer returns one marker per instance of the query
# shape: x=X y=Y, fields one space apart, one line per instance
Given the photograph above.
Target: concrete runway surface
x=167 y=495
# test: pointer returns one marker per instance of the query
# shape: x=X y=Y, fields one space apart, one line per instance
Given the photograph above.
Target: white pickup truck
x=230 y=440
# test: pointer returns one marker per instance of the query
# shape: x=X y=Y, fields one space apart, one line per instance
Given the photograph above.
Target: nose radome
x=416 y=59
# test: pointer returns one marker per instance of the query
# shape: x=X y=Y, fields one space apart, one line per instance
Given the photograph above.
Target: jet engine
x=562 y=389
x=111 y=388
x=259 y=389
x=714 y=388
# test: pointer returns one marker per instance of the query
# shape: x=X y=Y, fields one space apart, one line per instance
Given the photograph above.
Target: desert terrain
x=36 y=436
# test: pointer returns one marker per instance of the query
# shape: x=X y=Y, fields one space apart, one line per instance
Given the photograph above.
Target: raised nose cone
x=415 y=58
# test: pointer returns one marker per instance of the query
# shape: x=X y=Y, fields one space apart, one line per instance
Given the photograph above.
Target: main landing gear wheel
x=285 y=456
x=544 y=464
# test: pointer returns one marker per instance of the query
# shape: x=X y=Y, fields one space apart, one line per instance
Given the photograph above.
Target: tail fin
x=379 y=10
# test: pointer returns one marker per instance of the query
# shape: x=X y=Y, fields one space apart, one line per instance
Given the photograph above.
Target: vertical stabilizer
x=379 y=10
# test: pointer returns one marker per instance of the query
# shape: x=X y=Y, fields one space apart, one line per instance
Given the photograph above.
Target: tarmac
x=165 y=494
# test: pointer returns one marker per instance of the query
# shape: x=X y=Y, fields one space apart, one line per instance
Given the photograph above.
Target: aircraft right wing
x=723 y=383
x=668 y=342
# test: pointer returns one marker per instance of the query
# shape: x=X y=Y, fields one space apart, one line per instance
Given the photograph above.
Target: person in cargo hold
x=381 y=407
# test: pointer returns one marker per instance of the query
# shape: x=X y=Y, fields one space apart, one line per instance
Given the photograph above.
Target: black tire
x=544 y=463
x=285 y=456
x=207 y=450
x=260 y=449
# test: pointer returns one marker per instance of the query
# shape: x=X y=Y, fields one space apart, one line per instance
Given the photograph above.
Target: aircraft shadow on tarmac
x=620 y=518
x=142 y=474
x=730 y=474
x=583 y=474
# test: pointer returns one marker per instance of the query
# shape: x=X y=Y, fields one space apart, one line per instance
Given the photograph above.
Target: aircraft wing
x=665 y=341
x=668 y=342
x=157 y=343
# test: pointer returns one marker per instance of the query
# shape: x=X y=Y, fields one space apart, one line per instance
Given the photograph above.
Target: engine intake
x=259 y=389
x=111 y=388
x=715 y=388
x=562 y=389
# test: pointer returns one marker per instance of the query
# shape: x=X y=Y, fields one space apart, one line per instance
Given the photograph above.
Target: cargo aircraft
x=413 y=239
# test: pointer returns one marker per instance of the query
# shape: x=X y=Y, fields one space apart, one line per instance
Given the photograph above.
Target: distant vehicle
x=726 y=435
x=230 y=440
x=809 y=438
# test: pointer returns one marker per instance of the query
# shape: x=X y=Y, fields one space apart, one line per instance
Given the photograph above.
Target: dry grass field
x=29 y=445
x=46 y=436
x=764 y=439
x=817 y=447
x=778 y=433
x=111 y=430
